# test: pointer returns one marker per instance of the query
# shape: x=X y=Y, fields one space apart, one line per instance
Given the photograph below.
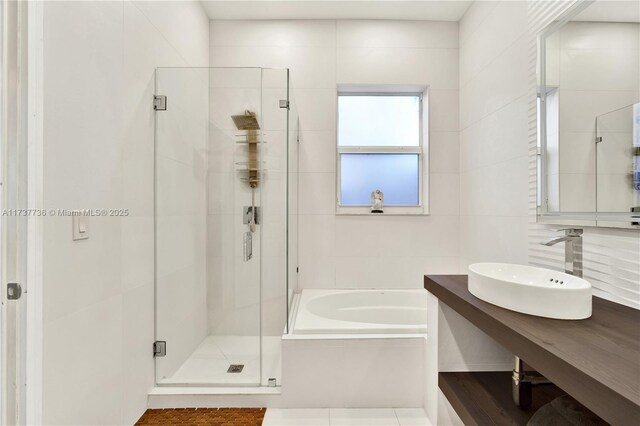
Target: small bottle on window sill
x=377 y=197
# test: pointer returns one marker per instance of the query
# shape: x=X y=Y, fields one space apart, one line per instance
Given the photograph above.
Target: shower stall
x=226 y=226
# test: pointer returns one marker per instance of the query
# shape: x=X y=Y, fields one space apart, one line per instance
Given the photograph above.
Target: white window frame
x=422 y=150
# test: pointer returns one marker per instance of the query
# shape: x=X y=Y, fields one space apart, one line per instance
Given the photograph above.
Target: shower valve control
x=248 y=215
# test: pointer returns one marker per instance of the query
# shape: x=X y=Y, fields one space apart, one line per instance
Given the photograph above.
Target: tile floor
x=346 y=417
x=208 y=364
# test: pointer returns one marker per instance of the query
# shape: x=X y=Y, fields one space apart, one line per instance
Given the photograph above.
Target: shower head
x=247 y=121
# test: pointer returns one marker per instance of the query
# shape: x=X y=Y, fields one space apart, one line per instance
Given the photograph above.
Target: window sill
x=388 y=211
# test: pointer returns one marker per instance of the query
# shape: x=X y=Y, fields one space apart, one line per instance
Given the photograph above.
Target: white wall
x=494 y=99
x=99 y=62
x=360 y=251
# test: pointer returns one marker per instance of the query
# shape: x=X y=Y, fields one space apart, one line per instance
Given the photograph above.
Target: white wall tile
x=443 y=110
x=494 y=130
x=414 y=34
x=350 y=251
x=601 y=35
x=317 y=108
x=94 y=369
x=490 y=141
x=610 y=69
x=504 y=80
x=316 y=271
x=444 y=198
x=436 y=68
x=80 y=273
x=317 y=193
x=80 y=49
x=473 y=18
x=493 y=239
x=507 y=23
x=495 y=189
x=315 y=235
x=284 y=33
x=419 y=236
x=136 y=253
x=585 y=105
x=172 y=18
x=317 y=151
x=444 y=152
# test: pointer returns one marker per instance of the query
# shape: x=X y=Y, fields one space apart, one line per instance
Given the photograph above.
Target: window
x=380 y=147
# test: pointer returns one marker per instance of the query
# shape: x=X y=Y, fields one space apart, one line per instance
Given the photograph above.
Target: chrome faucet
x=522 y=384
x=572 y=250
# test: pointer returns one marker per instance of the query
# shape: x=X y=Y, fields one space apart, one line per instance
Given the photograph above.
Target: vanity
x=595 y=360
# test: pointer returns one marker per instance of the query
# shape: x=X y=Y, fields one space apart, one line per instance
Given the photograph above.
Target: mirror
x=589 y=116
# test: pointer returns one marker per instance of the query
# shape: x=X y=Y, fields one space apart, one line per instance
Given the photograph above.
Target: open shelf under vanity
x=484 y=398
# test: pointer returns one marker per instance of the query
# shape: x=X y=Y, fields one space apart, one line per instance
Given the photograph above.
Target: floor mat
x=203 y=416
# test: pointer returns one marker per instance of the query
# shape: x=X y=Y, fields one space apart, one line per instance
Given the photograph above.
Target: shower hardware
x=235 y=368
x=159 y=348
x=522 y=384
x=14 y=291
x=249 y=123
x=635 y=210
x=247 y=246
x=159 y=102
x=251 y=213
x=284 y=103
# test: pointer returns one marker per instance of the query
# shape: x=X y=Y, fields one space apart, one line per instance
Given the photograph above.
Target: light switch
x=80 y=227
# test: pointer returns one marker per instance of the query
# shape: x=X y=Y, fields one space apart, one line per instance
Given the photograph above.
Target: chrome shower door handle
x=248 y=246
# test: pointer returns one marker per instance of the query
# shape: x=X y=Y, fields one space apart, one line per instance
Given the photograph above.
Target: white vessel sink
x=530 y=290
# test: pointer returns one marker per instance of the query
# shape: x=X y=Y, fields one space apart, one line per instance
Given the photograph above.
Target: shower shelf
x=246 y=163
x=245 y=140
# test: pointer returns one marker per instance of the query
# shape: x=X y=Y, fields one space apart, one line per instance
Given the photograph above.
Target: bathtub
x=382 y=312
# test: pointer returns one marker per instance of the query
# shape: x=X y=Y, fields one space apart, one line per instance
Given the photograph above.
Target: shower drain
x=235 y=368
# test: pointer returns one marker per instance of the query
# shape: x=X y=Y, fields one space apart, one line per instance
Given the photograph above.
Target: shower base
x=209 y=362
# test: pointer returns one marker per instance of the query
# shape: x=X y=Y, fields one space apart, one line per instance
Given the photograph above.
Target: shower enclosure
x=225 y=224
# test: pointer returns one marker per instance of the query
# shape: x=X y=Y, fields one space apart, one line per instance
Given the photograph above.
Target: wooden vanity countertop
x=596 y=360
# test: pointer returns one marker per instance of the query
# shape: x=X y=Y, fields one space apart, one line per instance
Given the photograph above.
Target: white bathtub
x=361 y=312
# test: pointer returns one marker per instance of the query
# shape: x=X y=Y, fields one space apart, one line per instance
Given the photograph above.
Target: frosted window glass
x=379 y=120
x=396 y=175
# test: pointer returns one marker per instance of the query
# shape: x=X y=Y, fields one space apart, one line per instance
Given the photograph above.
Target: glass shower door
x=207 y=249
x=278 y=254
